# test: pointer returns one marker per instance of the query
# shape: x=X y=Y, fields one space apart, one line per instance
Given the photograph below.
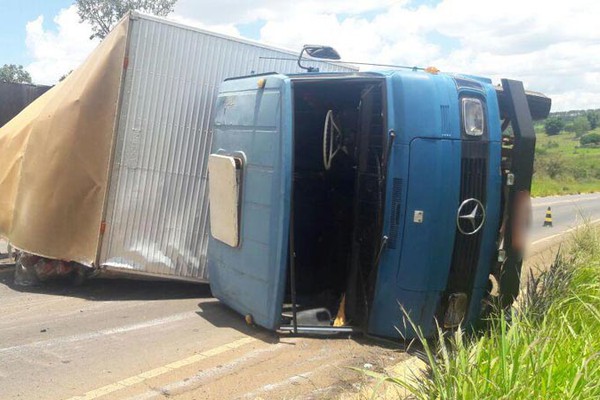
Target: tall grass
x=550 y=349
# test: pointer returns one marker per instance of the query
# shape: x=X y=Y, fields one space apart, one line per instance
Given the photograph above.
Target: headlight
x=473 y=119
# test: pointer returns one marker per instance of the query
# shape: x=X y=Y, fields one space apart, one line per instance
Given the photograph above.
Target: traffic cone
x=548 y=219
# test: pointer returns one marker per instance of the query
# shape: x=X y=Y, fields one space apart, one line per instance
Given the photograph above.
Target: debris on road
x=31 y=270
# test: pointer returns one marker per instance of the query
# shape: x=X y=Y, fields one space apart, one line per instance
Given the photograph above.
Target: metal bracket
x=510 y=179
x=523 y=151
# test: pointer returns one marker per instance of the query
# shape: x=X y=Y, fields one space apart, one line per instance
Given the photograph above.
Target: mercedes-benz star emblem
x=470 y=216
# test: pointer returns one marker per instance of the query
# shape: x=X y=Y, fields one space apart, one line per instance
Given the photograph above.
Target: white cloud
x=243 y=11
x=553 y=47
x=56 y=52
x=225 y=29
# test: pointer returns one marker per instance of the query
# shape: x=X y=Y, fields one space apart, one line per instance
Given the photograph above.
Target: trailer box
x=109 y=167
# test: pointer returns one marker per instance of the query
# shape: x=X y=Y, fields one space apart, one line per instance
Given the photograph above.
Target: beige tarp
x=54 y=159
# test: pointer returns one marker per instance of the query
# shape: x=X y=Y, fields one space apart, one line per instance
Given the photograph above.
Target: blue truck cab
x=371 y=201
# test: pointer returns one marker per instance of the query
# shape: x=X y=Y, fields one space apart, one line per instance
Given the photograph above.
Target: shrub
x=554 y=125
x=580 y=173
x=581 y=125
x=591 y=139
x=552 y=166
x=551 y=144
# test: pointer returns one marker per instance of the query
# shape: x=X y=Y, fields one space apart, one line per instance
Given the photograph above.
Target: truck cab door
x=249 y=191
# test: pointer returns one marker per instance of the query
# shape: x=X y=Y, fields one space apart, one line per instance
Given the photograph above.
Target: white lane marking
x=296 y=379
x=568 y=201
x=205 y=376
x=563 y=233
x=144 y=376
x=95 y=335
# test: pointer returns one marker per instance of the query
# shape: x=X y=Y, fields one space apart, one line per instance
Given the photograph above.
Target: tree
x=593 y=118
x=581 y=125
x=104 y=14
x=14 y=74
x=554 y=125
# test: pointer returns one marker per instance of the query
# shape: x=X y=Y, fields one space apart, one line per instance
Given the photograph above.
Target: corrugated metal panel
x=14 y=97
x=157 y=214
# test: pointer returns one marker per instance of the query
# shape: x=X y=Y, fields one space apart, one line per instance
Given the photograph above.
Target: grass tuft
x=550 y=349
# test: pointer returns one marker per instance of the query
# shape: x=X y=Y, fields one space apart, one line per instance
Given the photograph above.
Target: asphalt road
x=124 y=339
x=567 y=213
x=119 y=339
x=148 y=340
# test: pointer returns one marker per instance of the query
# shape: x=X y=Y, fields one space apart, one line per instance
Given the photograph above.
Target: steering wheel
x=331 y=132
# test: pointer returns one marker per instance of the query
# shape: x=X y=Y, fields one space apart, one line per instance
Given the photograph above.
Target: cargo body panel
x=14 y=97
x=157 y=205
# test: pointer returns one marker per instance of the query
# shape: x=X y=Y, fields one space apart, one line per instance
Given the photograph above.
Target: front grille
x=465 y=256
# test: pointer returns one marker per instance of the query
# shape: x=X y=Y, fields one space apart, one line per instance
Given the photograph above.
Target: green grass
x=562 y=166
x=549 y=350
x=546 y=186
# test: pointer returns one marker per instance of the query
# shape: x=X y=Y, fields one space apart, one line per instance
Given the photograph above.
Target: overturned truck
x=338 y=199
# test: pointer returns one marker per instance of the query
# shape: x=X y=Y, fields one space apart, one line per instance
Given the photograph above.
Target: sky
x=552 y=46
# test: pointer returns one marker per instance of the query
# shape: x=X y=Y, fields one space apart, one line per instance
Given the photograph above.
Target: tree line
x=580 y=123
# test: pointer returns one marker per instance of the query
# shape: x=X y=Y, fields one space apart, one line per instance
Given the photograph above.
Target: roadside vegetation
x=547 y=348
x=567 y=155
